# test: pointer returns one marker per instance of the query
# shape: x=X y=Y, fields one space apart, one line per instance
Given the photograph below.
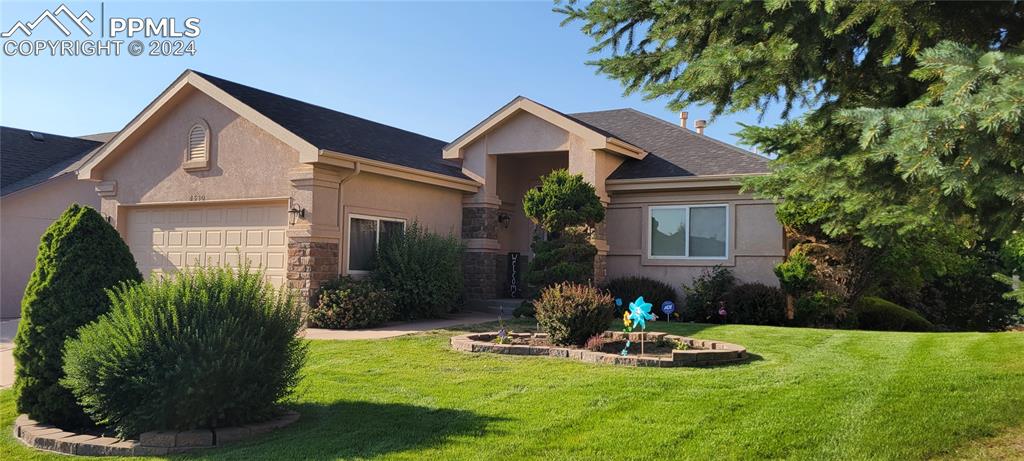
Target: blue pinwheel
x=640 y=313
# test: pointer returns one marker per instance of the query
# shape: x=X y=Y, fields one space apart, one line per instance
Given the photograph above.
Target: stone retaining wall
x=700 y=352
x=154 y=443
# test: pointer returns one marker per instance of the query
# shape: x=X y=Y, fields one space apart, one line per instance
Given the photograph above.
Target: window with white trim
x=689 y=232
x=197 y=149
x=364 y=236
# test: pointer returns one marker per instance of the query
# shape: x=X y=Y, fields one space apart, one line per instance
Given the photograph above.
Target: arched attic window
x=197 y=148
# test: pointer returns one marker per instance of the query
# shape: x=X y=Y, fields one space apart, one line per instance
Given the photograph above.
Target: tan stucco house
x=215 y=172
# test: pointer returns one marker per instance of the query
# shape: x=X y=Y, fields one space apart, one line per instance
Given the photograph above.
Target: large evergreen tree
x=841 y=176
x=80 y=256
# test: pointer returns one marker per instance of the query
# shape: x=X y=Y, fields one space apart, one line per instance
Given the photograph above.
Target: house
x=214 y=172
x=37 y=183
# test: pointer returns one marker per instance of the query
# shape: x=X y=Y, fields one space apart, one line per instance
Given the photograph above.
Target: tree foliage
x=913 y=109
x=80 y=256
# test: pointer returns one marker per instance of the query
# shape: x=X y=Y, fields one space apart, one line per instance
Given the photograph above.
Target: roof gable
x=26 y=161
x=308 y=128
x=596 y=137
x=674 y=151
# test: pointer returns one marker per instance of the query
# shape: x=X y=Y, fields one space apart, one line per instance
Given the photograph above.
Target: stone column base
x=480 y=273
x=311 y=263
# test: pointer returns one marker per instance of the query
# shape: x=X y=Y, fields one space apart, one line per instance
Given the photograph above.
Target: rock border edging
x=153 y=443
x=701 y=352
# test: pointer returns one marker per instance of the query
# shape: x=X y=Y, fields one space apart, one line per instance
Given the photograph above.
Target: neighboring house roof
x=101 y=137
x=27 y=160
x=343 y=133
x=672 y=149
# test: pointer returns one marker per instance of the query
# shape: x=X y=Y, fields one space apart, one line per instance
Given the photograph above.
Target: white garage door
x=164 y=239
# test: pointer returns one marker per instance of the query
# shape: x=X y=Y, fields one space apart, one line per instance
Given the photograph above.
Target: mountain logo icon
x=78 y=20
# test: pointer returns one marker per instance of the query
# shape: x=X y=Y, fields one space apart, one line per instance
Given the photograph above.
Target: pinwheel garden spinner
x=637 y=315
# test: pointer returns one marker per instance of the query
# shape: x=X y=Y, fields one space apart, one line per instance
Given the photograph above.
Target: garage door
x=165 y=239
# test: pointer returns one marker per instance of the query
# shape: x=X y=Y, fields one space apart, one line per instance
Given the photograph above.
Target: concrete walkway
x=7 y=330
x=9 y=327
x=392 y=330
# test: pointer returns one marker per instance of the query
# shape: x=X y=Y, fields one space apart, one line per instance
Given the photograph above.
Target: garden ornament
x=637 y=315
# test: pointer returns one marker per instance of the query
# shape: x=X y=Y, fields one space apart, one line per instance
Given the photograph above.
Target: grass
x=809 y=394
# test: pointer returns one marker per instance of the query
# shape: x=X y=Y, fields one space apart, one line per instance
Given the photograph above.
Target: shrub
x=707 y=291
x=756 y=304
x=878 y=314
x=568 y=258
x=348 y=303
x=80 y=255
x=654 y=291
x=205 y=348
x=567 y=207
x=572 y=313
x=796 y=274
x=423 y=272
x=821 y=309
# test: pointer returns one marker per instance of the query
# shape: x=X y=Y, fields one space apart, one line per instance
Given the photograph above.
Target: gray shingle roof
x=340 y=132
x=25 y=161
x=673 y=150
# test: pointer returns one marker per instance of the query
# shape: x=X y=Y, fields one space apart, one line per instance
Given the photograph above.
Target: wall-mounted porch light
x=504 y=219
x=294 y=213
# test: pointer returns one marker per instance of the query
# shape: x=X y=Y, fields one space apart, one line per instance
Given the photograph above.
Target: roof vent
x=682 y=119
x=699 y=125
x=36 y=136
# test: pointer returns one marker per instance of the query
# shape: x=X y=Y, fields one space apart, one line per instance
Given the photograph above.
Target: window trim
x=650 y=230
x=188 y=163
x=348 y=237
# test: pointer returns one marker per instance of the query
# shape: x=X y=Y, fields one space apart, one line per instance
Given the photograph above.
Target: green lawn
x=809 y=394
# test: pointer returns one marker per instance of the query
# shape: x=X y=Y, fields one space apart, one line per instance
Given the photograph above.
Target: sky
x=432 y=68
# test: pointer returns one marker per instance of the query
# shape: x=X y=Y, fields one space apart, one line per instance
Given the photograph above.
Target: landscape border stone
x=699 y=352
x=153 y=443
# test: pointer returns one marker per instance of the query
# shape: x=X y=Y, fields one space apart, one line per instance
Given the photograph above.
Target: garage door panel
x=166 y=239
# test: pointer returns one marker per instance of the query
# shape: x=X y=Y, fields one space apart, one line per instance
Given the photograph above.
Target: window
x=694 y=231
x=364 y=235
x=197 y=150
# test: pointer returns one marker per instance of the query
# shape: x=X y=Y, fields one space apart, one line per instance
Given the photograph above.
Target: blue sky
x=432 y=68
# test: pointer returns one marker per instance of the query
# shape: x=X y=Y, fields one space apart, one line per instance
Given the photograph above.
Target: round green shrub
x=796 y=274
x=705 y=295
x=347 y=303
x=629 y=288
x=820 y=309
x=205 y=348
x=756 y=304
x=572 y=313
x=80 y=255
x=422 y=271
x=878 y=314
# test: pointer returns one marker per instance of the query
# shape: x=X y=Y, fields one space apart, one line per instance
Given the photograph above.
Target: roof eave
x=678 y=182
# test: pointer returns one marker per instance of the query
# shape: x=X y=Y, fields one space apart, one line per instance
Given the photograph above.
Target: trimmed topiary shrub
x=878 y=314
x=706 y=294
x=567 y=208
x=629 y=288
x=422 y=271
x=756 y=304
x=348 y=303
x=80 y=255
x=572 y=313
x=206 y=348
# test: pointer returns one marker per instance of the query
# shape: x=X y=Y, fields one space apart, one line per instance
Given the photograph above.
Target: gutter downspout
x=341 y=183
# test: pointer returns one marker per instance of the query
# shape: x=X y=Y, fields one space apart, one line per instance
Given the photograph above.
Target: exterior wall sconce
x=294 y=213
x=504 y=219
